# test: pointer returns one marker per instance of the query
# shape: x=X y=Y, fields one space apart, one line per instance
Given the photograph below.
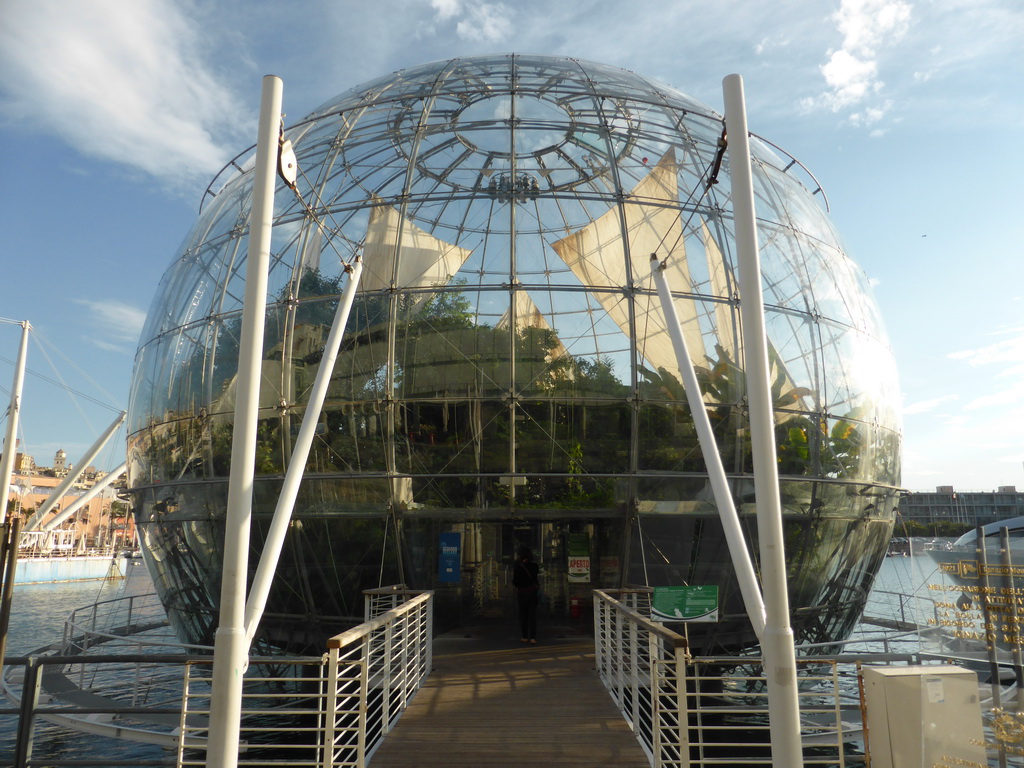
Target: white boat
x=960 y=560
x=53 y=557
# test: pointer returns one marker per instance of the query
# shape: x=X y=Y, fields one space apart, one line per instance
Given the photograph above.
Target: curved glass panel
x=507 y=372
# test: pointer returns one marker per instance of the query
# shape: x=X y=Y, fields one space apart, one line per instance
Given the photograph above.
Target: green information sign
x=578 y=549
x=685 y=603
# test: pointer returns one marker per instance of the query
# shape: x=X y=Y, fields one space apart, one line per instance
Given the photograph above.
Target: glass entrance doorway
x=575 y=556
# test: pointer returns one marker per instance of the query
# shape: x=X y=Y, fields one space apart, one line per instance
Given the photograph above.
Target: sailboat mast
x=10 y=448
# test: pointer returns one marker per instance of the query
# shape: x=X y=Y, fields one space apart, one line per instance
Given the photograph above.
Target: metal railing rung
x=688 y=711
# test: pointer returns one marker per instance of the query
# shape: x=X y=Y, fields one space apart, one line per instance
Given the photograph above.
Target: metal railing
x=727 y=706
x=688 y=711
x=47 y=690
x=346 y=699
x=112 y=621
x=281 y=712
x=326 y=712
x=115 y=674
x=373 y=672
x=642 y=664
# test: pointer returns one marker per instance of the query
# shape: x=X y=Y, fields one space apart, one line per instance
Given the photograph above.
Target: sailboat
x=45 y=549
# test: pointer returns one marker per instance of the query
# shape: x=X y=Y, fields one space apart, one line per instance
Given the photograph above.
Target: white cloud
x=924 y=406
x=116 y=322
x=768 y=44
x=1009 y=350
x=479 y=22
x=999 y=400
x=120 y=81
x=486 y=23
x=852 y=70
x=866 y=24
x=445 y=8
x=849 y=78
x=870 y=115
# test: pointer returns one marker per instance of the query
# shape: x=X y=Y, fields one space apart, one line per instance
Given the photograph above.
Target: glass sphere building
x=506 y=377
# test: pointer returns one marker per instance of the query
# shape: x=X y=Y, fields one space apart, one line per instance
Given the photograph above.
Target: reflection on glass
x=507 y=371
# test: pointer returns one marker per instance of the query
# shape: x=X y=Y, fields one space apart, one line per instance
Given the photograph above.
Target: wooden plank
x=527 y=705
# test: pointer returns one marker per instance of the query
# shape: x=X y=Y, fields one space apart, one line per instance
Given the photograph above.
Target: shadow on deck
x=494 y=701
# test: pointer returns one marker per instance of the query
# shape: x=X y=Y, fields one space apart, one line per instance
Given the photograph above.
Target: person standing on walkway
x=525 y=578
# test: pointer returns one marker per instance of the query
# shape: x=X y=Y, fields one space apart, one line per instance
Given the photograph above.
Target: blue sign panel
x=450 y=558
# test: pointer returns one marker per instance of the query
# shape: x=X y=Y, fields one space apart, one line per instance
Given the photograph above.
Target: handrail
x=643 y=666
x=357 y=691
x=674 y=639
x=689 y=711
x=373 y=671
x=370 y=626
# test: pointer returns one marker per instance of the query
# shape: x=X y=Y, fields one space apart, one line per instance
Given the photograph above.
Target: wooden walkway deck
x=536 y=705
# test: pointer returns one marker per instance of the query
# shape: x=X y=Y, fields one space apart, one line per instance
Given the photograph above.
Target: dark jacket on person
x=524 y=576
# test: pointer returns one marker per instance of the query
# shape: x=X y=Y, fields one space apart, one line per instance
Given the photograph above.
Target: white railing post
x=683 y=719
x=634 y=677
x=618 y=658
x=385 y=676
x=653 y=644
x=408 y=635
x=428 y=638
x=330 y=715
x=364 y=687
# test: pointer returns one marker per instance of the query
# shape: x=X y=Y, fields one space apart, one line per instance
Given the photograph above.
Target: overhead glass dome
x=507 y=374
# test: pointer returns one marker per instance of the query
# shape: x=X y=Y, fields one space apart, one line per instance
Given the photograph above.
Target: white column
x=777 y=644
x=230 y=653
x=10 y=446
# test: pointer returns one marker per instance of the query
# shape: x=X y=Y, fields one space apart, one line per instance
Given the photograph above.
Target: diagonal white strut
x=84 y=499
x=257 y=600
x=745 y=575
x=58 y=493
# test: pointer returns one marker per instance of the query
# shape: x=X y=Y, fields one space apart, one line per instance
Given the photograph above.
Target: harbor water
x=40 y=610
x=37 y=620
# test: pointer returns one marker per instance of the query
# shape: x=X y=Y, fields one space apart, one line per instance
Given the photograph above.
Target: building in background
x=947 y=505
x=102 y=523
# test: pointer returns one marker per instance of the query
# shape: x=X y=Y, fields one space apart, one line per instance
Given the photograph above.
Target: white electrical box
x=923 y=717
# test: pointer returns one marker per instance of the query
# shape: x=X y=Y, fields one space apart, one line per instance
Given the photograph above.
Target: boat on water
x=56 y=569
x=507 y=375
x=961 y=561
x=55 y=557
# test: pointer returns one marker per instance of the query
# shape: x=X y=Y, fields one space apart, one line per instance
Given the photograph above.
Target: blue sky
x=114 y=116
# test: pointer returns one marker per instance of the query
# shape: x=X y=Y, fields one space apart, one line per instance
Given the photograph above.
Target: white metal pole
x=777 y=645
x=230 y=654
x=10 y=446
x=65 y=485
x=300 y=453
x=734 y=537
x=84 y=499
